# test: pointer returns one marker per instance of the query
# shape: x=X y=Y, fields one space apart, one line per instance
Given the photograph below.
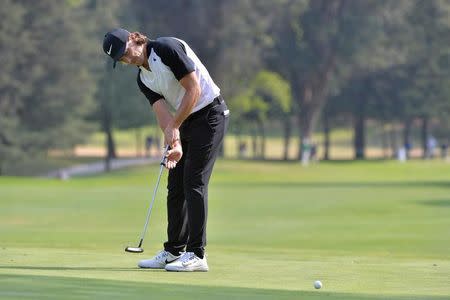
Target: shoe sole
x=188 y=270
x=154 y=268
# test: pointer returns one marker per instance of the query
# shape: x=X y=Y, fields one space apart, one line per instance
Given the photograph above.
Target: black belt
x=217 y=101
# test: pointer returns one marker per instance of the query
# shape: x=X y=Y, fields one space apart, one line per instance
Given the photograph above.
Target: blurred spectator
x=444 y=150
x=402 y=154
x=313 y=154
x=242 y=149
x=148 y=145
x=306 y=152
x=63 y=175
x=408 y=147
x=431 y=146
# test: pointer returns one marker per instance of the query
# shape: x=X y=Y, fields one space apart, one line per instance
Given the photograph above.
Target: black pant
x=201 y=135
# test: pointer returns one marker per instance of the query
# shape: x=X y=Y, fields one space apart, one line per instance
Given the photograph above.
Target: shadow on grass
x=437 y=202
x=70 y=268
x=49 y=287
x=354 y=184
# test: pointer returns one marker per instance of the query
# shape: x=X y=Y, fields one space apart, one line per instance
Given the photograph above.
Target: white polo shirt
x=170 y=59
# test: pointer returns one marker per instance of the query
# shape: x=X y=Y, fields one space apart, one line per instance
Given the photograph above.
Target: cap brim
x=119 y=54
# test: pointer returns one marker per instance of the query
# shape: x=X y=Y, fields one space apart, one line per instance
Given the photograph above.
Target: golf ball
x=317 y=284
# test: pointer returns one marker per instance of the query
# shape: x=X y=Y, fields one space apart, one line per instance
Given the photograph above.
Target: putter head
x=134 y=249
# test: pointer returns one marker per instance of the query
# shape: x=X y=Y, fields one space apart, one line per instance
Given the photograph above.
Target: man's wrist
x=176 y=143
x=173 y=124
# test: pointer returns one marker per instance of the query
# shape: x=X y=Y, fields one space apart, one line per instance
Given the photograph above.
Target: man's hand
x=171 y=135
x=174 y=155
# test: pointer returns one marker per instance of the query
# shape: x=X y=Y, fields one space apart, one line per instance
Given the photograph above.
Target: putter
x=139 y=248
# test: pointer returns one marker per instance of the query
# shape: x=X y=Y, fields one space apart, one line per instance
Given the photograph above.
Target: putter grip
x=164 y=158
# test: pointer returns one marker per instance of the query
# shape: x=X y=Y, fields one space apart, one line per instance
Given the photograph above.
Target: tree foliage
x=382 y=60
x=46 y=87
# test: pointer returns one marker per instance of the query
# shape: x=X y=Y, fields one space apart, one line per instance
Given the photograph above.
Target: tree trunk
x=262 y=153
x=107 y=122
x=255 y=144
x=305 y=119
x=314 y=85
x=138 y=142
x=326 y=135
x=384 y=141
x=424 y=137
x=110 y=145
x=238 y=144
x=393 y=141
x=359 y=138
x=407 y=137
x=359 y=142
x=111 y=152
x=304 y=134
x=314 y=93
x=287 y=137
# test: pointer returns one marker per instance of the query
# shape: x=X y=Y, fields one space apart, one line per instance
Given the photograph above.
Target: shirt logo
x=109 y=51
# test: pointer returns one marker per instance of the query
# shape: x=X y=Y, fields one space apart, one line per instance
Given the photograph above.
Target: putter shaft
x=139 y=248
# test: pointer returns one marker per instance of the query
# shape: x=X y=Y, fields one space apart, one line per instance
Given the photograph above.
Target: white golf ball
x=317 y=284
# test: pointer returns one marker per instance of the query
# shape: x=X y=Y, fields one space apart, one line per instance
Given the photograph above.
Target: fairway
x=367 y=230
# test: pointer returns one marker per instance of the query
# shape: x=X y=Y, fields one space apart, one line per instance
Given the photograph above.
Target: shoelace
x=187 y=257
x=161 y=255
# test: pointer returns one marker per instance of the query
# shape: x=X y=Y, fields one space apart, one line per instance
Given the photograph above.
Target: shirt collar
x=149 y=48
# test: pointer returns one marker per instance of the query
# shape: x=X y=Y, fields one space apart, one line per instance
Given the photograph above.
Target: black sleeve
x=151 y=95
x=173 y=54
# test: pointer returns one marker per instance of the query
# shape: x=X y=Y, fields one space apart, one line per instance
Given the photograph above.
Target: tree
x=427 y=93
x=268 y=98
x=107 y=17
x=323 y=41
x=50 y=89
x=11 y=22
x=131 y=108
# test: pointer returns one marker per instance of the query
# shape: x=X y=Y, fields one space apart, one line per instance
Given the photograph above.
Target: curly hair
x=138 y=37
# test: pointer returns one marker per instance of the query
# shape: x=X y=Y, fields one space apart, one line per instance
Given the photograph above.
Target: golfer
x=170 y=75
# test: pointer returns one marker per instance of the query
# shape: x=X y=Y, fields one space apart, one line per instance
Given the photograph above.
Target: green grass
x=367 y=230
x=41 y=165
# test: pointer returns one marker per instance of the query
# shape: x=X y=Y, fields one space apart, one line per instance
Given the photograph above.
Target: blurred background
x=304 y=80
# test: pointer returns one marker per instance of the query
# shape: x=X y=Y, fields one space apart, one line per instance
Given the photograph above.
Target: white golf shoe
x=188 y=262
x=159 y=261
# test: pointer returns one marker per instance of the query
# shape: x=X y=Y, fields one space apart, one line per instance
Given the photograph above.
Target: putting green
x=367 y=230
